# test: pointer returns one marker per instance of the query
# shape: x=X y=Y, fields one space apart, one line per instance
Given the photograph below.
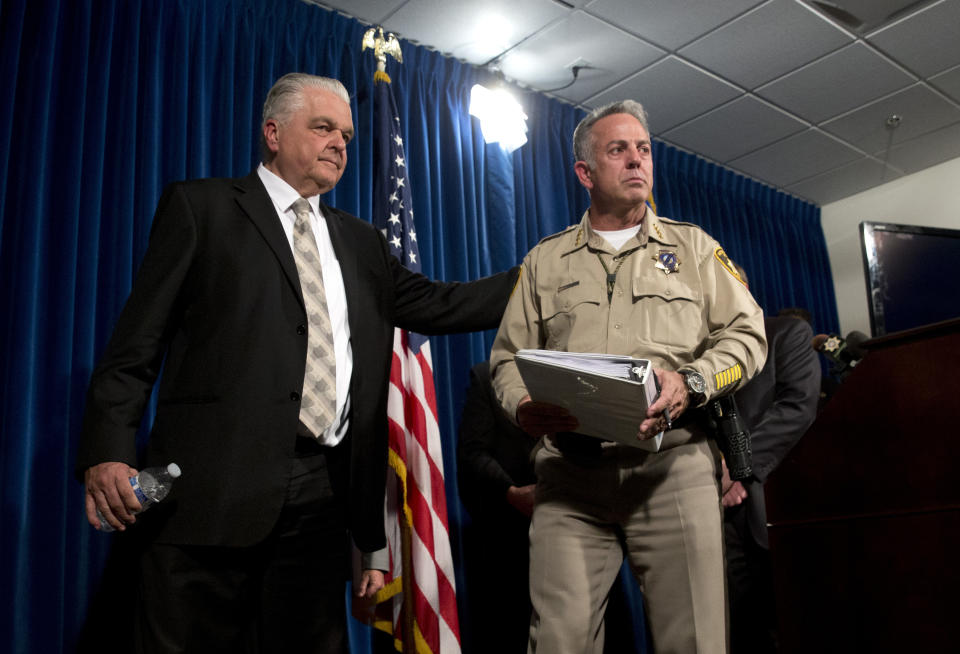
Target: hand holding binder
x=608 y=394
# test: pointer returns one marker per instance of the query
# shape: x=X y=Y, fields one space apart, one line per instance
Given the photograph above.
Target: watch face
x=696 y=382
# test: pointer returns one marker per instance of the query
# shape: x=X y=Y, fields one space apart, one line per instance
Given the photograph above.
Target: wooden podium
x=864 y=513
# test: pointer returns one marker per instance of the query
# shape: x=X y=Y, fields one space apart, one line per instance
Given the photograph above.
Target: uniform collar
x=656 y=229
x=651 y=229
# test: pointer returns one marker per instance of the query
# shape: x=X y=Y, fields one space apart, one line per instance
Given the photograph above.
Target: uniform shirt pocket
x=569 y=315
x=668 y=312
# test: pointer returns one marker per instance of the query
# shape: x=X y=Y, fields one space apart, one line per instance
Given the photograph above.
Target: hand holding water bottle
x=115 y=492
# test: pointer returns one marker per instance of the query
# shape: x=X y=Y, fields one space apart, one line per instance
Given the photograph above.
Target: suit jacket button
x=301 y=330
x=295 y=396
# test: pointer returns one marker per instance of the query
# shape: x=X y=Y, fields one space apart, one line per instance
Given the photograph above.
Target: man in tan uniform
x=625 y=281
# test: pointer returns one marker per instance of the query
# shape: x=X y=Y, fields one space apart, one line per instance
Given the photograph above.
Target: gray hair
x=583 y=144
x=285 y=98
x=740 y=271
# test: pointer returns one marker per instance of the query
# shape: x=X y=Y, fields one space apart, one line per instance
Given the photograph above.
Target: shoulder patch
x=724 y=260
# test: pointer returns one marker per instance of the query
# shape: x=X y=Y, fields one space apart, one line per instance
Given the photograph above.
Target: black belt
x=307 y=444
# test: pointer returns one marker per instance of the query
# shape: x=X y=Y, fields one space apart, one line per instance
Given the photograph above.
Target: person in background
x=626 y=281
x=272 y=316
x=496 y=482
x=793 y=312
x=777 y=406
x=497 y=486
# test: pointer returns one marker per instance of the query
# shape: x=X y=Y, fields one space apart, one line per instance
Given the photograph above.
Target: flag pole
x=409 y=640
x=423 y=602
x=382 y=46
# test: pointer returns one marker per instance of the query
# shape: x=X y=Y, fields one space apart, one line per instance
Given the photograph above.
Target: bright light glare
x=501 y=117
x=492 y=30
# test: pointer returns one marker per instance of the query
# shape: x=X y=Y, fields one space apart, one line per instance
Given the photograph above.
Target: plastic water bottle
x=150 y=486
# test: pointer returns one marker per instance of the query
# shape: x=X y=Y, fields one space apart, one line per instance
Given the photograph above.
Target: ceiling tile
x=862 y=16
x=948 y=82
x=544 y=61
x=766 y=43
x=863 y=174
x=669 y=24
x=926 y=42
x=795 y=158
x=839 y=82
x=927 y=150
x=756 y=85
x=672 y=91
x=736 y=128
x=920 y=109
x=469 y=30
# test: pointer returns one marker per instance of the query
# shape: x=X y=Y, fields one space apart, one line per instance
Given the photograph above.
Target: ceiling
x=802 y=95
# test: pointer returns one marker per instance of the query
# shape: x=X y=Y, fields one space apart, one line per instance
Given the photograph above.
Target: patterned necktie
x=318 y=404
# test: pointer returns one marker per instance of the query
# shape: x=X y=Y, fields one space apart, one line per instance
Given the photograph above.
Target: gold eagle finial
x=382 y=46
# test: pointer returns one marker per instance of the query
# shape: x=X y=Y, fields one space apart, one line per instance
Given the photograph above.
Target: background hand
x=371 y=581
x=539 y=418
x=522 y=498
x=735 y=495
x=108 y=490
x=732 y=492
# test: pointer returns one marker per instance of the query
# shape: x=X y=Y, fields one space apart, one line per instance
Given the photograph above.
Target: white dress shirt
x=283 y=196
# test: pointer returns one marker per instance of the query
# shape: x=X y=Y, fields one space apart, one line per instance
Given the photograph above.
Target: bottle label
x=141 y=496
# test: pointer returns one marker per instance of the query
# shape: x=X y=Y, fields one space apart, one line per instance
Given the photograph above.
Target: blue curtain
x=107 y=101
x=775 y=237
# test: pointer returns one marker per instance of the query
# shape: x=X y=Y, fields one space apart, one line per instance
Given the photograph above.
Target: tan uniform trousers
x=662 y=510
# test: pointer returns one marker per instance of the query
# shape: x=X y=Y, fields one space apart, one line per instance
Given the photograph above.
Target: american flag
x=423 y=602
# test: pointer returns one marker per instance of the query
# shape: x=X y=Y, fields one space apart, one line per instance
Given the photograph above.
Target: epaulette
x=677 y=223
x=558 y=234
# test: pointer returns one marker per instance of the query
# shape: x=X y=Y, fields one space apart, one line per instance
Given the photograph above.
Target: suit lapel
x=258 y=207
x=347 y=257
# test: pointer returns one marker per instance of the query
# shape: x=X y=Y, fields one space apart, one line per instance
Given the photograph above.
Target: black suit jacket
x=217 y=303
x=492 y=453
x=778 y=405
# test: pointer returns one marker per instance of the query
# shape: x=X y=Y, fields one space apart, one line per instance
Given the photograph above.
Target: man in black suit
x=778 y=405
x=496 y=481
x=250 y=550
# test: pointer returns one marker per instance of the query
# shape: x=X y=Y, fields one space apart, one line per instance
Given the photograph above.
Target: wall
x=927 y=198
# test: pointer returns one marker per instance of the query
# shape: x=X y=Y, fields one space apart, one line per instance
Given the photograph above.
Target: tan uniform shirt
x=675 y=301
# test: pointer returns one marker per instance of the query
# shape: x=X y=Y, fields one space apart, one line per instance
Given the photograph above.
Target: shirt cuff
x=378 y=560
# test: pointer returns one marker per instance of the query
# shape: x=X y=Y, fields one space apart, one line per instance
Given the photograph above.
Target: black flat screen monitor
x=913 y=275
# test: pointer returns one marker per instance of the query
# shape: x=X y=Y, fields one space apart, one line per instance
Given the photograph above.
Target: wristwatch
x=696 y=385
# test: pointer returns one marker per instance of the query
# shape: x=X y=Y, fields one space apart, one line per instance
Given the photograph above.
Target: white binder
x=609 y=394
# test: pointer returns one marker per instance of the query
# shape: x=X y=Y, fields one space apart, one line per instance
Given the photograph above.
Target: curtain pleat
x=777 y=238
x=107 y=101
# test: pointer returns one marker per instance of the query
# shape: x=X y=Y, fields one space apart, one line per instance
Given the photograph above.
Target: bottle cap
x=174 y=470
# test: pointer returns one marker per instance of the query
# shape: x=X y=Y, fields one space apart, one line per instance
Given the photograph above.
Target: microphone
x=844 y=353
x=855 y=341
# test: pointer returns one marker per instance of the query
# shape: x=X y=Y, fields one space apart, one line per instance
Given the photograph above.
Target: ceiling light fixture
x=892 y=123
x=501 y=117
